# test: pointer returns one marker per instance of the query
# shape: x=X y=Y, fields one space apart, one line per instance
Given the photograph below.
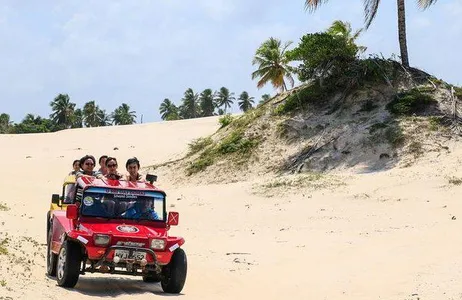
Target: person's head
x=87 y=163
x=76 y=165
x=133 y=166
x=111 y=165
x=102 y=161
x=144 y=205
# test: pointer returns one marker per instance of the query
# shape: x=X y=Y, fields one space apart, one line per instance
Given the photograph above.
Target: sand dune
x=388 y=235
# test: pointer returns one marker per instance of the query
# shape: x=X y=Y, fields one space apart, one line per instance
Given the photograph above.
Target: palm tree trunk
x=402 y=33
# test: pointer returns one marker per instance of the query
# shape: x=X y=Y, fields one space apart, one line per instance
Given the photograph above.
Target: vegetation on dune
x=410 y=102
x=236 y=143
x=330 y=67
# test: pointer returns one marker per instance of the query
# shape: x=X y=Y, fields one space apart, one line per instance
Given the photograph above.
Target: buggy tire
x=68 y=266
x=48 y=224
x=52 y=258
x=174 y=273
x=152 y=277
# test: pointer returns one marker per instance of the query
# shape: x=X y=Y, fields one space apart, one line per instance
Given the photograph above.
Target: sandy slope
x=389 y=235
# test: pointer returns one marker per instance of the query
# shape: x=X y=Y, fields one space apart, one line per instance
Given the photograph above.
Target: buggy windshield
x=123 y=204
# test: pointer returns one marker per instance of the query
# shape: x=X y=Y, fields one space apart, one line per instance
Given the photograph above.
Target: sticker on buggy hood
x=88 y=201
x=127 y=228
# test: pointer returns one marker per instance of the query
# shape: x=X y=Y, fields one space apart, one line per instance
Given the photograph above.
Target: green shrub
x=376 y=127
x=410 y=102
x=225 y=120
x=368 y=106
x=322 y=55
x=455 y=180
x=199 y=144
x=247 y=118
x=394 y=135
x=3 y=245
x=4 y=207
x=312 y=94
x=458 y=92
x=200 y=164
x=435 y=123
x=236 y=142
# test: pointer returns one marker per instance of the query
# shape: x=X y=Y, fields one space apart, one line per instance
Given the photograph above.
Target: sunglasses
x=112 y=166
x=89 y=164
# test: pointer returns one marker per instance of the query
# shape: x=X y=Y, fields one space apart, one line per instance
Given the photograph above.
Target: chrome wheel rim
x=61 y=263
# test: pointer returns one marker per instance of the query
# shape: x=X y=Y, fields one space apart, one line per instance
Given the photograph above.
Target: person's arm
x=98 y=174
x=155 y=216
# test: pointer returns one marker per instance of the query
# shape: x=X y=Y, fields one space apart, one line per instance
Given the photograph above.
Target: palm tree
x=206 y=103
x=370 y=10
x=224 y=98
x=343 y=29
x=190 y=107
x=92 y=114
x=5 y=123
x=264 y=98
x=123 y=116
x=245 y=102
x=63 y=111
x=104 y=118
x=168 y=110
x=273 y=64
x=77 y=120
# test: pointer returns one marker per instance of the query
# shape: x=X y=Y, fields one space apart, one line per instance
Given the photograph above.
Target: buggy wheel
x=174 y=274
x=152 y=277
x=68 y=266
x=48 y=224
x=51 y=257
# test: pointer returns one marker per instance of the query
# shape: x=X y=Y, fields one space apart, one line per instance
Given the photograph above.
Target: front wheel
x=68 y=266
x=174 y=274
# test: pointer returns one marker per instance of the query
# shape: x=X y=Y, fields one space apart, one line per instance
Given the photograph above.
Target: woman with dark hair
x=87 y=164
x=133 y=168
x=75 y=167
x=111 y=165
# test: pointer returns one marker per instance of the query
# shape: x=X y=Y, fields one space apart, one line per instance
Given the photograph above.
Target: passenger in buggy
x=111 y=165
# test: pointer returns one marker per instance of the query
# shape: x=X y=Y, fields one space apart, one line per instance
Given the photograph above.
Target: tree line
x=65 y=115
x=205 y=104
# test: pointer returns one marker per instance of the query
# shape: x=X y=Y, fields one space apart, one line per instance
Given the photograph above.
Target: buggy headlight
x=101 y=239
x=158 y=244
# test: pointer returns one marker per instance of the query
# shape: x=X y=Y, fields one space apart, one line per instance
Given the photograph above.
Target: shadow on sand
x=113 y=286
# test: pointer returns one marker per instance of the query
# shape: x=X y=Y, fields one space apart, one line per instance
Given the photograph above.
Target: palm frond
x=370 y=11
x=312 y=5
x=425 y=3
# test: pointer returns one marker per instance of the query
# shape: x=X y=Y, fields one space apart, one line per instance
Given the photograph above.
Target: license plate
x=125 y=254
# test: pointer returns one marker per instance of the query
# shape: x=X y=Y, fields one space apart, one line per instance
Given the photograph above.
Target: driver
x=141 y=210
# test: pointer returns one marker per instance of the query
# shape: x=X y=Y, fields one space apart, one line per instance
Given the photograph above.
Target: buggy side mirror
x=151 y=178
x=72 y=212
x=173 y=218
x=55 y=199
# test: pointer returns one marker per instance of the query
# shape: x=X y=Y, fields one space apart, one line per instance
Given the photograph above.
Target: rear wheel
x=174 y=274
x=51 y=257
x=68 y=266
x=48 y=224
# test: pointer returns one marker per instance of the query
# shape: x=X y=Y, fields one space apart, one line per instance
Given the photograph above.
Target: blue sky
x=140 y=51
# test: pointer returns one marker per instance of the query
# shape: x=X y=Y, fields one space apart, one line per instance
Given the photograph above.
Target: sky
x=140 y=52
